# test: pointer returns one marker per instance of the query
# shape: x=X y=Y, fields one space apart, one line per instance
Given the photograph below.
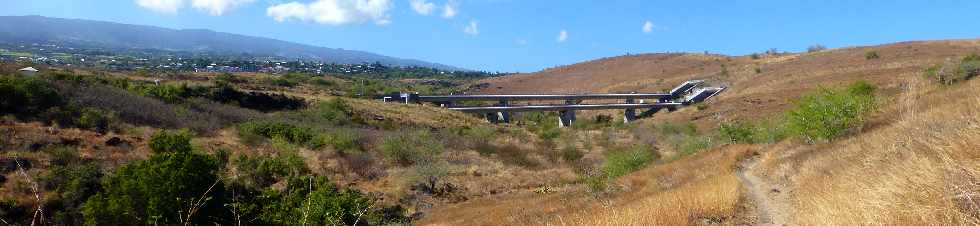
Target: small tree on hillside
x=815 y=48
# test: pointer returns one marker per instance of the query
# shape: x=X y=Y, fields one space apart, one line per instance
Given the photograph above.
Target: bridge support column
x=630 y=114
x=503 y=116
x=566 y=117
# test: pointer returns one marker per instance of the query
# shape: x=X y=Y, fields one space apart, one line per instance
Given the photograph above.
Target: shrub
x=969 y=67
x=94 y=119
x=70 y=186
x=26 y=97
x=596 y=183
x=871 y=55
x=815 y=48
x=336 y=111
x=571 y=154
x=508 y=154
x=622 y=162
x=341 y=140
x=693 y=144
x=410 y=148
x=770 y=131
x=828 y=113
x=82 y=118
x=549 y=133
x=755 y=56
x=277 y=130
x=173 y=186
x=309 y=200
x=737 y=132
x=263 y=171
x=671 y=128
x=170 y=141
x=130 y=108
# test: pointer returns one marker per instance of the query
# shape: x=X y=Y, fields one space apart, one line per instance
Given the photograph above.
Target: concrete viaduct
x=685 y=94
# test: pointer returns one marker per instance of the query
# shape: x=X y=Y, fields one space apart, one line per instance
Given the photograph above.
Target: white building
x=28 y=71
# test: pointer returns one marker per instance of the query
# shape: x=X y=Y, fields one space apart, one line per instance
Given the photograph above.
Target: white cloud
x=562 y=35
x=472 y=29
x=449 y=10
x=422 y=7
x=213 y=7
x=333 y=12
x=648 y=27
x=218 y=7
x=164 y=6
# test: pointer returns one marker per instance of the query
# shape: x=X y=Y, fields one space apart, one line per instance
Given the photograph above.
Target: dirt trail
x=771 y=204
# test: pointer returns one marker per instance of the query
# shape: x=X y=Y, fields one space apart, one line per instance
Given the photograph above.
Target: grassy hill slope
x=913 y=162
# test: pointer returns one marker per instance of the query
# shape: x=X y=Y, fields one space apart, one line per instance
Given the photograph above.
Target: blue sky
x=525 y=36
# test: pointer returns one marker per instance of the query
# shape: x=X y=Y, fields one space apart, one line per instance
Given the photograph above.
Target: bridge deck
x=563 y=107
x=524 y=97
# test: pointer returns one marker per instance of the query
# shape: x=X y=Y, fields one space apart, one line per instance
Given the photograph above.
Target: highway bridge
x=687 y=93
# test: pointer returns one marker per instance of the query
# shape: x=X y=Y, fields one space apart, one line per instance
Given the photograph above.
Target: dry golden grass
x=920 y=167
x=696 y=190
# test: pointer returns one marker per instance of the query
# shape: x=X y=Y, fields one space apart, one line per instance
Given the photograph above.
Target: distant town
x=166 y=61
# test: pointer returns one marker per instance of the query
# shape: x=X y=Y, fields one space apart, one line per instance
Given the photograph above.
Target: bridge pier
x=566 y=117
x=503 y=116
x=630 y=114
x=500 y=116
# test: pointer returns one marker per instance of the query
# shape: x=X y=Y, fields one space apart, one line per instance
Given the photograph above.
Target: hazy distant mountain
x=38 y=29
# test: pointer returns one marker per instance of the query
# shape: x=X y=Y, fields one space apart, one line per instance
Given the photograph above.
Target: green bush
x=770 y=131
x=308 y=200
x=737 y=132
x=693 y=144
x=83 y=118
x=27 y=97
x=341 y=140
x=621 y=162
x=969 y=67
x=336 y=111
x=410 y=148
x=94 y=119
x=70 y=186
x=262 y=171
x=671 y=128
x=828 y=113
x=596 y=184
x=173 y=186
x=871 y=55
x=571 y=154
x=508 y=154
x=165 y=141
x=277 y=130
